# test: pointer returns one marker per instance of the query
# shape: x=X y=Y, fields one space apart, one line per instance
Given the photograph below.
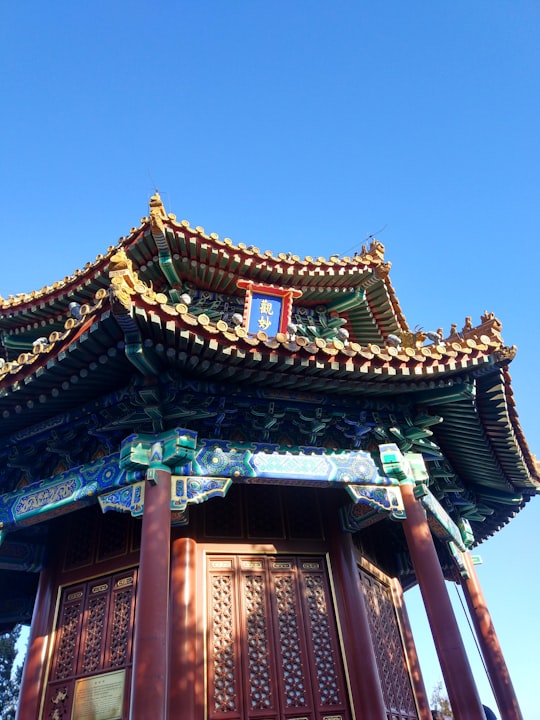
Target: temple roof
x=168 y=301
x=162 y=262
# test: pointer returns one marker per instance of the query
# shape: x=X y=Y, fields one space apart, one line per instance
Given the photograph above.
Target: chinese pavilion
x=220 y=469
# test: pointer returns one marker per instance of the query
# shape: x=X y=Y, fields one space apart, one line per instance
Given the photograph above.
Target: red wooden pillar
x=149 y=688
x=462 y=691
x=499 y=676
x=183 y=675
x=36 y=657
x=367 y=696
x=419 y=688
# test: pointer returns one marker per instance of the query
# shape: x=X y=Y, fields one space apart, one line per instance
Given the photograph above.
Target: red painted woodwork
x=185 y=702
x=462 y=691
x=149 y=690
x=88 y=544
x=273 y=649
x=497 y=669
x=93 y=636
x=34 y=667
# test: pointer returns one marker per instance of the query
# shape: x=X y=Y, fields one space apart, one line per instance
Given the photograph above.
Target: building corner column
x=33 y=678
x=458 y=677
x=150 y=675
x=497 y=670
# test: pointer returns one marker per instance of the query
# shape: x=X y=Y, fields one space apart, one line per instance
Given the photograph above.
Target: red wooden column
x=149 y=689
x=419 y=688
x=458 y=677
x=38 y=646
x=365 y=684
x=499 y=676
x=183 y=668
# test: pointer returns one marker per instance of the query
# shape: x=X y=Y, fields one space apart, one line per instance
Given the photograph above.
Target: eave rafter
x=331 y=358
x=52 y=347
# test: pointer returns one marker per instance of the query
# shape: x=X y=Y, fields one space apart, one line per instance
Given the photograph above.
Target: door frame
x=274 y=549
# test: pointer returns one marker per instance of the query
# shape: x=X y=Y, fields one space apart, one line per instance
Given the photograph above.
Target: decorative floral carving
x=58 y=700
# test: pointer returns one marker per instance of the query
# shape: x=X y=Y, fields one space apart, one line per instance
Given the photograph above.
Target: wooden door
x=93 y=645
x=273 y=649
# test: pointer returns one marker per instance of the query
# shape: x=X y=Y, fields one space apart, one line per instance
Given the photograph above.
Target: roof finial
x=156 y=206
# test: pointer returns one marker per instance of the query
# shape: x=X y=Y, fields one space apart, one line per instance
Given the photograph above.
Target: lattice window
x=114 y=535
x=264 y=515
x=264 y=512
x=323 y=650
x=272 y=640
x=224 y=696
x=69 y=633
x=303 y=513
x=224 y=518
x=96 y=617
x=96 y=537
x=389 y=651
x=93 y=635
x=257 y=641
x=122 y=618
x=290 y=648
x=79 y=551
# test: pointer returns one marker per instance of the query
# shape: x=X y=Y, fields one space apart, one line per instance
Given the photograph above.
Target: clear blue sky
x=299 y=126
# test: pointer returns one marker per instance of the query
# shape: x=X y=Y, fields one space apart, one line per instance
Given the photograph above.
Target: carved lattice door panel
x=93 y=636
x=389 y=650
x=273 y=650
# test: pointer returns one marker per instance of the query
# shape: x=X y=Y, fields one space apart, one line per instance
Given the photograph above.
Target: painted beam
x=184 y=491
x=222 y=458
x=201 y=469
x=62 y=493
x=440 y=522
x=371 y=504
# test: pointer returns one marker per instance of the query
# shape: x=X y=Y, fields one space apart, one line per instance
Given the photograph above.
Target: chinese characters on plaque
x=100 y=697
x=267 y=308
